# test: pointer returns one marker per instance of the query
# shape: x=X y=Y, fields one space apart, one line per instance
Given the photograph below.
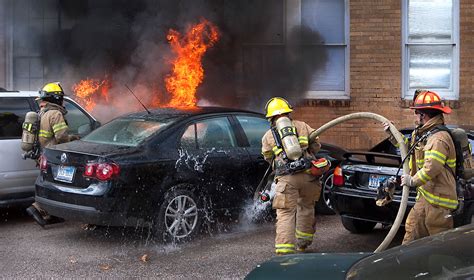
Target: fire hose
x=403 y=150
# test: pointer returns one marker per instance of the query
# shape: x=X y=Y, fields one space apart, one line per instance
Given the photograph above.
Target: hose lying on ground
x=403 y=150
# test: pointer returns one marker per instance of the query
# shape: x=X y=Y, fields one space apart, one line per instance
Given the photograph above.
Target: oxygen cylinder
x=29 y=131
x=287 y=133
x=460 y=136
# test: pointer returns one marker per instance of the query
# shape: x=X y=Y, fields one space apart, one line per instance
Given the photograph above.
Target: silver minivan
x=17 y=176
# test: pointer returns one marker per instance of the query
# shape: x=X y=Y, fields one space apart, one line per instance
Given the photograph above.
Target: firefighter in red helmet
x=432 y=169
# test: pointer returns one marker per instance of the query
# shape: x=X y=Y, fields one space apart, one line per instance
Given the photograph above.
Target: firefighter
x=297 y=184
x=432 y=170
x=52 y=130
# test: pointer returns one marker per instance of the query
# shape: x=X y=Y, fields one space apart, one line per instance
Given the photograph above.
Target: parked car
x=17 y=176
x=360 y=174
x=447 y=255
x=167 y=170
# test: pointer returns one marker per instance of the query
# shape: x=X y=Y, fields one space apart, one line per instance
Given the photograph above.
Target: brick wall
x=375 y=75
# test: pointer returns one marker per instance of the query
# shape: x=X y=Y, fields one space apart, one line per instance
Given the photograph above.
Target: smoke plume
x=125 y=41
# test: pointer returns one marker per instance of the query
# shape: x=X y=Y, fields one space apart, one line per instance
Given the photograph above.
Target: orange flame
x=85 y=90
x=187 y=72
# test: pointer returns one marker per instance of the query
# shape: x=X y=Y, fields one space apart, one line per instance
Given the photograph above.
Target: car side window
x=254 y=129
x=12 y=115
x=188 y=140
x=210 y=133
x=77 y=121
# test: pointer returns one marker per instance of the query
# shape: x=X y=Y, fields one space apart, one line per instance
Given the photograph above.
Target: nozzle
x=264 y=197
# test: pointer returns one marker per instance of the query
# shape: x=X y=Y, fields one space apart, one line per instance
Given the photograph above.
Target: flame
x=187 y=72
x=86 y=90
x=181 y=84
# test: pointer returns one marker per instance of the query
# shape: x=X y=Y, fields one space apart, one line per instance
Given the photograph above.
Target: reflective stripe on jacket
x=53 y=127
x=435 y=167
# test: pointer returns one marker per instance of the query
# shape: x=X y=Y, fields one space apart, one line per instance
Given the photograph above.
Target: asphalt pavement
x=230 y=252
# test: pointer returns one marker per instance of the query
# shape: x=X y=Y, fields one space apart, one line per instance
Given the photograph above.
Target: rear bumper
x=85 y=214
x=98 y=205
x=361 y=205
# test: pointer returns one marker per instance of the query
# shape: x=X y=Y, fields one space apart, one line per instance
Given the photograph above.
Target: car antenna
x=148 y=111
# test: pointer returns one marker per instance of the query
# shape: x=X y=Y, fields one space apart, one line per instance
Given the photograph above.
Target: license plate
x=65 y=173
x=375 y=180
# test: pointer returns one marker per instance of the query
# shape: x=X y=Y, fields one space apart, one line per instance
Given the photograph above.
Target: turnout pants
x=425 y=219
x=294 y=203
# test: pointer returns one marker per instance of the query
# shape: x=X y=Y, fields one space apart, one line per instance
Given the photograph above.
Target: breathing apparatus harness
x=291 y=166
x=390 y=183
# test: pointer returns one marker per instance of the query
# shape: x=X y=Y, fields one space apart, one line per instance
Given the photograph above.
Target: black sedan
x=169 y=169
x=358 y=177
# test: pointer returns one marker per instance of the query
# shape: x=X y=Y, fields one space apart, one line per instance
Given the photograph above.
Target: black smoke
x=254 y=59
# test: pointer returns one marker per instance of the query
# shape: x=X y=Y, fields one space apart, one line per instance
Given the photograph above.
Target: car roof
x=20 y=93
x=196 y=111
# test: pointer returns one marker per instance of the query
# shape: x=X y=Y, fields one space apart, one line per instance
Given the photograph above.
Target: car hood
x=307 y=266
x=91 y=148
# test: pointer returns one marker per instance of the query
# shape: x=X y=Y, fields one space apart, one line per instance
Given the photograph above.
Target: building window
x=29 y=25
x=431 y=47
x=330 y=18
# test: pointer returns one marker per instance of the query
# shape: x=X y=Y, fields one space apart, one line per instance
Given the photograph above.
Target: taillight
x=102 y=171
x=43 y=163
x=89 y=170
x=338 y=178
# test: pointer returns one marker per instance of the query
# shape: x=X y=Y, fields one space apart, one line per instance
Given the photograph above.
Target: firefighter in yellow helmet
x=432 y=170
x=53 y=130
x=288 y=147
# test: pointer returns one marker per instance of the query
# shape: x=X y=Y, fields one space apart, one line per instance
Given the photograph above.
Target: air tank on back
x=289 y=140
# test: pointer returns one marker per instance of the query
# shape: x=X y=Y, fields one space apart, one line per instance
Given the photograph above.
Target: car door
x=211 y=145
x=78 y=120
x=17 y=176
x=254 y=166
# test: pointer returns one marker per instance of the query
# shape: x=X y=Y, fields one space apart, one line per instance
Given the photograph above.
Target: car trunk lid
x=66 y=164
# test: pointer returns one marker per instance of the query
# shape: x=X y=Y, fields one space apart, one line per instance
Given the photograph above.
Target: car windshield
x=127 y=131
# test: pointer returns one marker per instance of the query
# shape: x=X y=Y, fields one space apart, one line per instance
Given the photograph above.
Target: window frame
x=21 y=118
x=453 y=93
x=294 y=19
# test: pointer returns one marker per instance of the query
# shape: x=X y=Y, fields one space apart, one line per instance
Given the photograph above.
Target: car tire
x=357 y=226
x=323 y=205
x=180 y=216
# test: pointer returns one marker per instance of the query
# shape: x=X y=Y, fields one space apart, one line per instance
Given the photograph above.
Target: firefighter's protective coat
x=53 y=126
x=432 y=166
x=295 y=194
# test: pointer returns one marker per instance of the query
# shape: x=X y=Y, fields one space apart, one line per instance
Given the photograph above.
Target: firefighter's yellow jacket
x=53 y=127
x=433 y=165
x=303 y=130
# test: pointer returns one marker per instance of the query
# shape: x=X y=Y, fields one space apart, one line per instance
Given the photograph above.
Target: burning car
x=164 y=169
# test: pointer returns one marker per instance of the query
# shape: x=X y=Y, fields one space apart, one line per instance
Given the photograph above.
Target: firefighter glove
x=319 y=166
x=407 y=180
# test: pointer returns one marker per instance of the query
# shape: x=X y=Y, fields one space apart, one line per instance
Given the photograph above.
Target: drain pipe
x=406 y=170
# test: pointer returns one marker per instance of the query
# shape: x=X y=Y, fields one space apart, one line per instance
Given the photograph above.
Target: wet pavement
x=230 y=252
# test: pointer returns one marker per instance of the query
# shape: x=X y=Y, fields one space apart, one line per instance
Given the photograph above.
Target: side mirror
x=84 y=129
x=96 y=124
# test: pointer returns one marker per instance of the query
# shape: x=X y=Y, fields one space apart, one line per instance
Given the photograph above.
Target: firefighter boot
x=36 y=215
x=53 y=220
x=301 y=245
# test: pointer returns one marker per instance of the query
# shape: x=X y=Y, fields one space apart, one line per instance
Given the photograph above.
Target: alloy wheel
x=327 y=185
x=181 y=216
